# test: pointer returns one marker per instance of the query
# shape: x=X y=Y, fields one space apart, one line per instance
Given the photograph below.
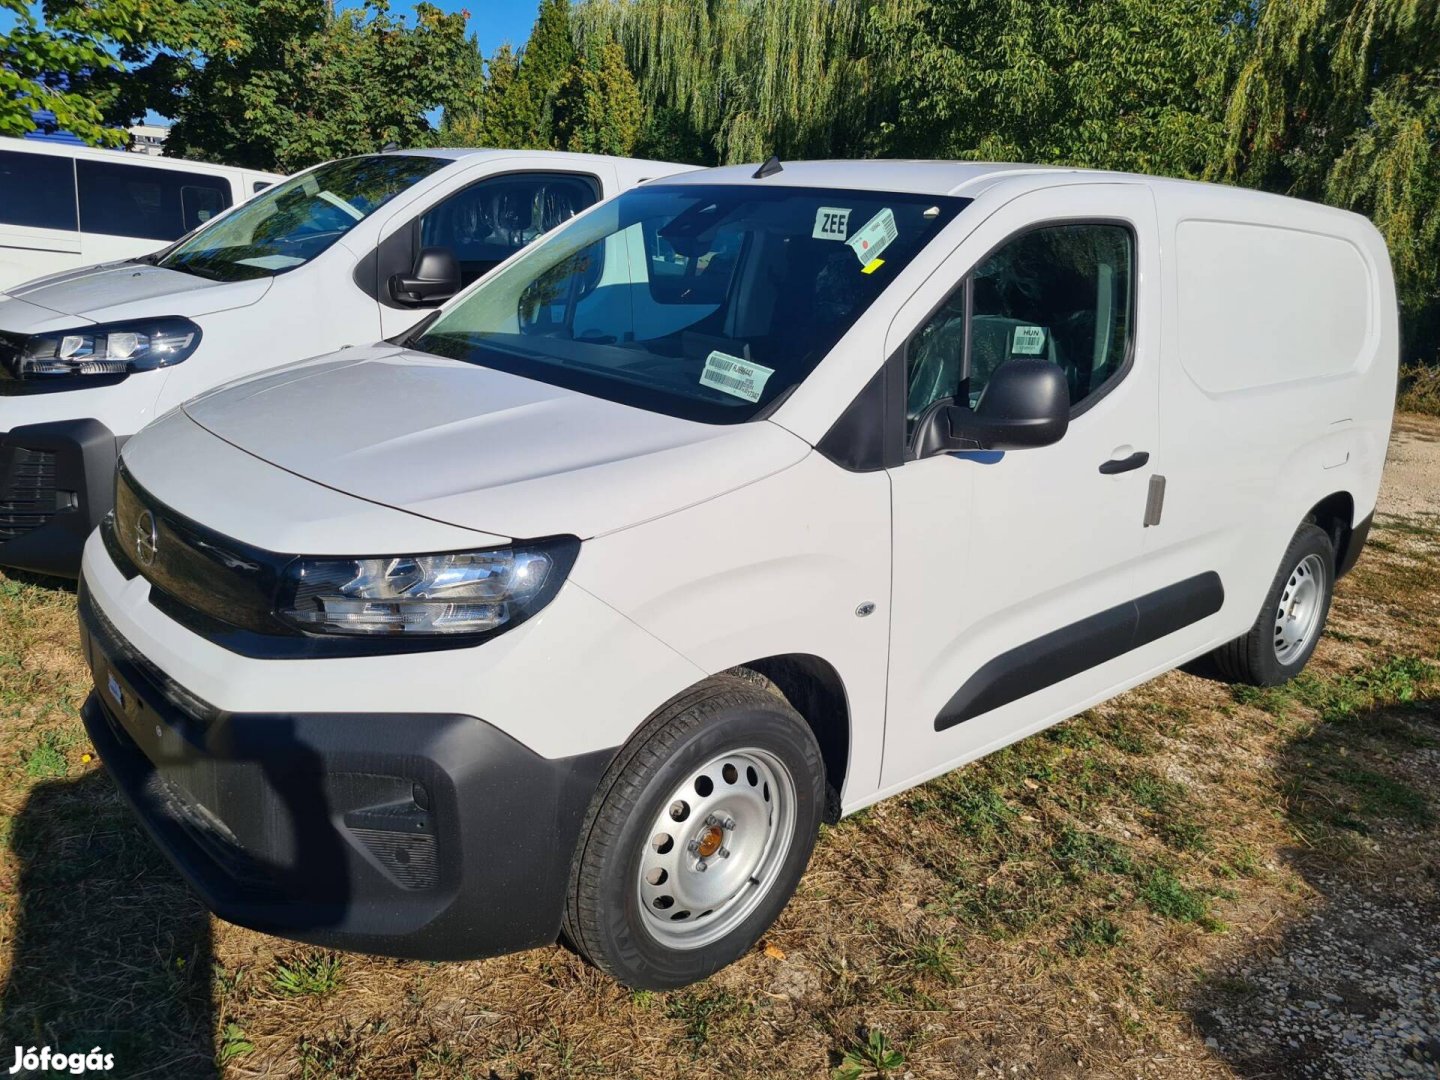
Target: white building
x=148 y=139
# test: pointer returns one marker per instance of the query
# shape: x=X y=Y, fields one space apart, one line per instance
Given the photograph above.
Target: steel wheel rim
x=741 y=803
x=1297 y=616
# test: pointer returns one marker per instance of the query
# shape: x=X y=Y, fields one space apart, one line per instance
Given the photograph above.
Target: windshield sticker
x=1028 y=341
x=736 y=377
x=872 y=266
x=831 y=223
x=874 y=236
x=271 y=262
x=339 y=203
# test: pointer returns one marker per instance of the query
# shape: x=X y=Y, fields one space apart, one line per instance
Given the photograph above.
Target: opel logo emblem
x=147 y=538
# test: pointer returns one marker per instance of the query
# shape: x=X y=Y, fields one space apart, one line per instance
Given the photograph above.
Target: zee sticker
x=1028 y=341
x=831 y=223
x=874 y=237
x=734 y=376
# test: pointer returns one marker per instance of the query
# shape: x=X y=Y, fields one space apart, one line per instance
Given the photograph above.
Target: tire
x=750 y=776
x=1278 y=646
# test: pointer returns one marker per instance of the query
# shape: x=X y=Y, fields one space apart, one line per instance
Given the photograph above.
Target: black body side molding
x=1058 y=655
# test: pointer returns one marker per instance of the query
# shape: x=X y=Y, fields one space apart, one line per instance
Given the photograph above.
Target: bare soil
x=1192 y=880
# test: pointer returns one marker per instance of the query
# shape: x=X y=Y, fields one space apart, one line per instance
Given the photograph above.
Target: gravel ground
x=1412 y=468
x=1354 y=991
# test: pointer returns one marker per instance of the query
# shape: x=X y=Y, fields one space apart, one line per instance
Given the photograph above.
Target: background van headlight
x=469 y=592
x=106 y=349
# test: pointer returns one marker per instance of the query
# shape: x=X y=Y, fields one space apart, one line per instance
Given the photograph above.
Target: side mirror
x=1026 y=403
x=434 y=277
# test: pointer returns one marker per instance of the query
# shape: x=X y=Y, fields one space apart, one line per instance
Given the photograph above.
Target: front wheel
x=697 y=836
x=1292 y=618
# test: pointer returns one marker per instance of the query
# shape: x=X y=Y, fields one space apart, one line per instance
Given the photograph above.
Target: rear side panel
x=1278 y=373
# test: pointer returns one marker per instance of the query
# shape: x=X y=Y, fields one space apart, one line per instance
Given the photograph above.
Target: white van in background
x=745 y=500
x=347 y=253
x=67 y=206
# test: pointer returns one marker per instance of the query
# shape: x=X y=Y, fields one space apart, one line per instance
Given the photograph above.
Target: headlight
x=111 y=349
x=471 y=592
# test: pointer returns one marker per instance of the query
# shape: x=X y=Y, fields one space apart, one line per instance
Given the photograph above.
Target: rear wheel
x=1292 y=619
x=697 y=836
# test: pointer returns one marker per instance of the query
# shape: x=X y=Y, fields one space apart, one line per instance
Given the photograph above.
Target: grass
x=311 y=975
x=872 y=1057
x=1420 y=389
x=1056 y=908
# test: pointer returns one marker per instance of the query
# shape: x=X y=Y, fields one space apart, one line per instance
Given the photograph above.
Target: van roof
x=876 y=174
x=464 y=153
x=967 y=178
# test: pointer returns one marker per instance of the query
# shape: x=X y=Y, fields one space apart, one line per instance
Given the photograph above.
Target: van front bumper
x=57 y=481
x=426 y=836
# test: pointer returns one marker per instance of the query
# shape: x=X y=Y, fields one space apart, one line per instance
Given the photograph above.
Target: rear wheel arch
x=1335 y=514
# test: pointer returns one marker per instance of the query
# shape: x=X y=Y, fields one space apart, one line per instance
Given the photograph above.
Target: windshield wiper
x=189 y=268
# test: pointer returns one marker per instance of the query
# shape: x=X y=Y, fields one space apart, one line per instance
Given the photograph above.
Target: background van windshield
x=289 y=224
x=704 y=302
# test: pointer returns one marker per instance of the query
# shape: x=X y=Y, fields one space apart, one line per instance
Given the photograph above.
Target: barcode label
x=874 y=236
x=734 y=376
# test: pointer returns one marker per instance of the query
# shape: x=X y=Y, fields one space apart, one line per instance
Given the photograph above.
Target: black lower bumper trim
x=57 y=481
x=417 y=835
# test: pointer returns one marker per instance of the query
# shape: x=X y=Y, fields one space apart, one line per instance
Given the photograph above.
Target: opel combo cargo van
x=67 y=206
x=740 y=502
x=347 y=253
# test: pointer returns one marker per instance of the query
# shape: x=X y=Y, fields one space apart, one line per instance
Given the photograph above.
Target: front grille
x=192 y=569
x=28 y=493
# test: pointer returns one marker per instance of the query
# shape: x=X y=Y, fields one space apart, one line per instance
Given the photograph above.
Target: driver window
x=1059 y=293
x=488 y=222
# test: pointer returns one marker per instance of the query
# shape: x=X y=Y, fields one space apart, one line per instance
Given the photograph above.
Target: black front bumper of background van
x=425 y=836
x=57 y=481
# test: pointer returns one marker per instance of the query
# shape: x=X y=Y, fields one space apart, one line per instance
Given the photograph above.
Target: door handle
x=1118 y=465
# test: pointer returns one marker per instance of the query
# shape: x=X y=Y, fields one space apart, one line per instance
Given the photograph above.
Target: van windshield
x=706 y=302
x=289 y=224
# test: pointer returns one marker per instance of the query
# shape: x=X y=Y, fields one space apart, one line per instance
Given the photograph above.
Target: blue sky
x=495 y=22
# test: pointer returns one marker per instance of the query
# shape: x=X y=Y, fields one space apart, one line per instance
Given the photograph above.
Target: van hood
x=123 y=290
x=484 y=449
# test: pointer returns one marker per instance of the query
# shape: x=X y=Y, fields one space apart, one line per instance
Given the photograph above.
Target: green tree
x=544 y=63
x=1127 y=84
x=277 y=84
x=737 y=80
x=1340 y=100
x=460 y=123
x=597 y=106
x=40 y=67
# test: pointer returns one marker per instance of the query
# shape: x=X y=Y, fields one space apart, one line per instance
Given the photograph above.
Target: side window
x=37 y=190
x=489 y=221
x=199 y=204
x=1060 y=293
x=146 y=203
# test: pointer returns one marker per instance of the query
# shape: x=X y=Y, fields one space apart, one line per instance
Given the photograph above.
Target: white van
x=67 y=206
x=737 y=503
x=347 y=253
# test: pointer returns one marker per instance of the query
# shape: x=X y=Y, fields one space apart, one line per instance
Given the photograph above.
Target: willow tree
x=1340 y=100
x=1128 y=84
x=741 y=79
